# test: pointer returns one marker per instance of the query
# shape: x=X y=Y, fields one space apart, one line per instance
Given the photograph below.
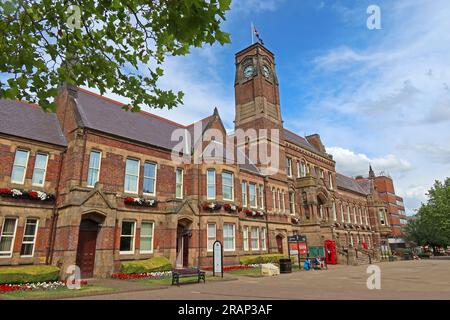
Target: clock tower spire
x=256 y=89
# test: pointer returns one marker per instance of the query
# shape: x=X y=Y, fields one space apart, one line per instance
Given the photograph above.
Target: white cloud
x=389 y=98
x=353 y=164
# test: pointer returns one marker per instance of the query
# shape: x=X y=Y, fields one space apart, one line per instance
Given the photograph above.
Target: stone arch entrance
x=279 y=239
x=322 y=204
x=87 y=242
x=184 y=234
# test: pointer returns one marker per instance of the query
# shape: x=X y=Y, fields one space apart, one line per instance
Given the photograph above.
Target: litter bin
x=285 y=266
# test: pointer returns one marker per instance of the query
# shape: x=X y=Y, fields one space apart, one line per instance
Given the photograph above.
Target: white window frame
x=365 y=217
x=355 y=221
x=349 y=218
x=254 y=239
x=181 y=184
x=283 y=202
x=342 y=213
x=13 y=237
x=244 y=194
x=245 y=239
x=279 y=199
x=232 y=186
x=137 y=180
x=234 y=237
x=261 y=196
x=98 y=170
x=144 y=177
x=292 y=202
x=274 y=199
x=298 y=169
x=45 y=169
x=330 y=177
x=134 y=237
x=263 y=239
x=360 y=215
x=209 y=237
x=25 y=167
x=289 y=166
x=255 y=205
x=334 y=211
x=208 y=184
x=152 y=236
x=29 y=242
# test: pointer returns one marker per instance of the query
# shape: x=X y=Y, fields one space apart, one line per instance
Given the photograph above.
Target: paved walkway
x=425 y=279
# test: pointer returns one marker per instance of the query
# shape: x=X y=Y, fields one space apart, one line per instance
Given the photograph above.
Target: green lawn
x=251 y=272
x=58 y=293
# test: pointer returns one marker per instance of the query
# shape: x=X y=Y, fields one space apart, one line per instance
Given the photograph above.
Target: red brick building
x=94 y=185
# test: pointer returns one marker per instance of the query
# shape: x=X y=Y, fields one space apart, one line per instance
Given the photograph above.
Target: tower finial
x=371 y=173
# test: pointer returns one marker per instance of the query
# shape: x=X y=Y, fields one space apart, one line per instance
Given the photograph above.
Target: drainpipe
x=52 y=235
x=267 y=217
x=198 y=206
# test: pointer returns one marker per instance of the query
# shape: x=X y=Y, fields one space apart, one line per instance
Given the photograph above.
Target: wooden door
x=86 y=252
x=280 y=244
x=185 y=251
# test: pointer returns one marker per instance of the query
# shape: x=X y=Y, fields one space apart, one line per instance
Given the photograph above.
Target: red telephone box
x=330 y=252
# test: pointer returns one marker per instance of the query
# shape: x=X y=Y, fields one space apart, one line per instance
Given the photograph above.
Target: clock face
x=266 y=71
x=248 y=71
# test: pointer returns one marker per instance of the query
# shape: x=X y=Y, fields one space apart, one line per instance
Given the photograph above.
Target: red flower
x=227 y=206
x=33 y=195
x=5 y=191
x=248 y=212
x=128 y=200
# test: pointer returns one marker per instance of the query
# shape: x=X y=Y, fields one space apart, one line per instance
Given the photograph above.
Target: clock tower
x=256 y=89
x=258 y=106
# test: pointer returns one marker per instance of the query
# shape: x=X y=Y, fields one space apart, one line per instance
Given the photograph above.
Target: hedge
x=28 y=274
x=265 y=258
x=154 y=264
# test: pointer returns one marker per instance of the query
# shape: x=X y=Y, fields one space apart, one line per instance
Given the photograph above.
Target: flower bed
x=29 y=195
x=140 y=202
x=44 y=286
x=230 y=268
x=126 y=276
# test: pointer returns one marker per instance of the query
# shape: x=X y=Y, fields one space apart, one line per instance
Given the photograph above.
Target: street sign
x=297 y=238
x=217 y=258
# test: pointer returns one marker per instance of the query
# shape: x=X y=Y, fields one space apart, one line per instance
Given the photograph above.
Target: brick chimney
x=314 y=140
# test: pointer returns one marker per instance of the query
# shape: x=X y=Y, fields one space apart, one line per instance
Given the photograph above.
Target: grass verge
x=58 y=293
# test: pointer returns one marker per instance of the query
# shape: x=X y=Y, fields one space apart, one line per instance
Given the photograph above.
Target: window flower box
x=231 y=208
x=141 y=202
x=211 y=206
x=28 y=195
x=254 y=213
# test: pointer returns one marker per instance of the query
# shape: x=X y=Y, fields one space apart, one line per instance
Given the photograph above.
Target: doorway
x=279 y=243
x=183 y=237
x=87 y=241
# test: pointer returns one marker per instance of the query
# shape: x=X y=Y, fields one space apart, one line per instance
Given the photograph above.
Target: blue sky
x=374 y=96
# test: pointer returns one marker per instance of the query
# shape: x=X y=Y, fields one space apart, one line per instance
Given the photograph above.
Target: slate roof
x=348 y=183
x=25 y=120
x=106 y=115
x=300 y=141
x=365 y=184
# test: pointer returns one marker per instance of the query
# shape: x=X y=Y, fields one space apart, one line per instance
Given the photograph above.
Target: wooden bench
x=185 y=273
